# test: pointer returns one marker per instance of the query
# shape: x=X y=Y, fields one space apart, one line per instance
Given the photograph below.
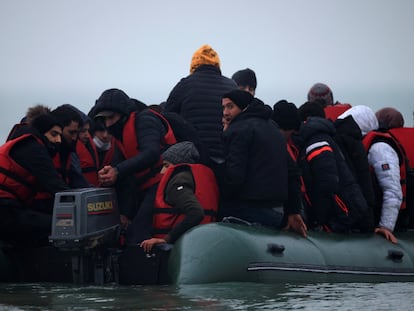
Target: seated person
x=187 y=195
x=27 y=167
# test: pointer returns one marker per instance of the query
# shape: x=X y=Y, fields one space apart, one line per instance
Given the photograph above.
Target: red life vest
x=333 y=112
x=130 y=148
x=16 y=182
x=373 y=137
x=206 y=192
x=109 y=154
x=88 y=161
x=405 y=136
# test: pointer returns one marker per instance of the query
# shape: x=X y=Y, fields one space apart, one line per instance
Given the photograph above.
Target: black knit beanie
x=286 y=115
x=44 y=123
x=241 y=98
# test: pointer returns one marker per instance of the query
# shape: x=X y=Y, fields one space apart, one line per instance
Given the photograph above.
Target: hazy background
x=55 y=52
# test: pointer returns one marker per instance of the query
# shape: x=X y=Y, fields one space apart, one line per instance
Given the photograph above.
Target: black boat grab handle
x=395 y=255
x=275 y=249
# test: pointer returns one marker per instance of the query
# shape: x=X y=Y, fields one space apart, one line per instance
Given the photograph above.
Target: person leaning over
x=254 y=180
x=187 y=195
x=27 y=167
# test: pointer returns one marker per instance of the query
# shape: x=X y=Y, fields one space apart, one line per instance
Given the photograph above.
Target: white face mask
x=101 y=145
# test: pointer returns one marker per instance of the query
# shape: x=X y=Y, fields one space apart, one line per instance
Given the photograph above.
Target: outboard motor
x=86 y=223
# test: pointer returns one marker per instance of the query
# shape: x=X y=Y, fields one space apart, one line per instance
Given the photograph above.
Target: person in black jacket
x=27 y=167
x=254 y=183
x=337 y=202
x=197 y=98
x=142 y=137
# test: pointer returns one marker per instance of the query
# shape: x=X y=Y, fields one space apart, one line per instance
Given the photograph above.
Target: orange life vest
x=130 y=148
x=373 y=137
x=16 y=182
x=206 y=192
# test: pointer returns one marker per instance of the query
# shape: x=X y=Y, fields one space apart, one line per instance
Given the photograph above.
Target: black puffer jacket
x=255 y=168
x=328 y=178
x=197 y=98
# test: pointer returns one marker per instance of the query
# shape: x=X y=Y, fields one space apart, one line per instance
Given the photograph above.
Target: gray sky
x=69 y=51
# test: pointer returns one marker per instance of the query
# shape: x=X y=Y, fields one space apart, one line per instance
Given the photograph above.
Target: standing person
x=27 y=167
x=322 y=93
x=142 y=136
x=254 y=179
x=246 y=80
x=384 y=159
x=197 y=98
x=337 y=202
x=187 y=195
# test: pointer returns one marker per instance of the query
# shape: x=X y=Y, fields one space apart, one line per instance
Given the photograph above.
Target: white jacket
x=385 y=162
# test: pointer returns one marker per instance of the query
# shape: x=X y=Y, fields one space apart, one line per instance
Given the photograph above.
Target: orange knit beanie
x=204 y=56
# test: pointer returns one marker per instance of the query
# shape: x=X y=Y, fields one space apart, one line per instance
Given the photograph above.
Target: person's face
x=104 y=136
x=111 y=120
x=230 y=109
x=70 y=132
x=84 y=133
x=165 y=166
x=54 y=135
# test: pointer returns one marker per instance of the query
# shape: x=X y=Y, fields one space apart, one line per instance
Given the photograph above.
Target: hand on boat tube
x=295 y=222
x=148 y=244
x=387 y=234
x=108 y=175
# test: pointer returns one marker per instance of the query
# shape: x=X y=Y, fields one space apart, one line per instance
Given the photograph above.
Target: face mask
x=101 y=145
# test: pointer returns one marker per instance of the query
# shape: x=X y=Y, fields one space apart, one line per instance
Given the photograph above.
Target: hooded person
x=27 y=167
x=197 y=98
x=384 y=160
x=187 y=195
x=142 y=136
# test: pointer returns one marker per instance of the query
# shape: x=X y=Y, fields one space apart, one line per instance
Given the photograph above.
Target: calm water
x=220 y=297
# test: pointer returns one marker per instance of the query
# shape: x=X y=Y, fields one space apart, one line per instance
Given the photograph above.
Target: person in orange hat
x=197 y=98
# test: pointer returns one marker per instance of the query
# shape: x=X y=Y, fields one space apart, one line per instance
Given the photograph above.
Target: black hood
x=316 y=125
x=256 y=109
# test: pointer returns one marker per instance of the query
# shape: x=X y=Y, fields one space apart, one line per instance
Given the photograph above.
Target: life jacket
x=16 y=182
x=130 y=148
x=206 y=192
x=334 y=111
x=405 y=136
x=109 y=155
x=373 y=137
x=88 y=161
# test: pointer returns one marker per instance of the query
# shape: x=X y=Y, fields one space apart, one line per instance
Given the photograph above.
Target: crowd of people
x=212 y=151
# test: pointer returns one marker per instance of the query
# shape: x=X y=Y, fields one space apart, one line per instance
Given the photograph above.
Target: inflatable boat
x=85 y=248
